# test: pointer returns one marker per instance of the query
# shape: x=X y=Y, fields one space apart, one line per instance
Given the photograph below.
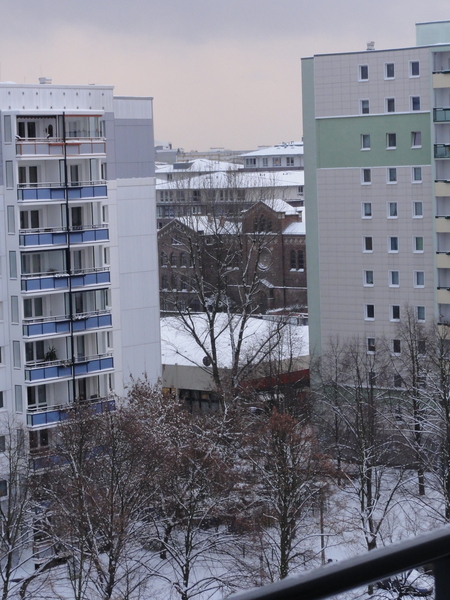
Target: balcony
x=57 y=280
x=441 y=150
x=57 y=369
x=57 y=236
x=48 y=192
x=39 y=326
x=441 y=79
x=91 y=276
x=442 y=224
x=377 y=565
x=55 y=147
x=441 y=115
x=442 y=188
x=49 y=415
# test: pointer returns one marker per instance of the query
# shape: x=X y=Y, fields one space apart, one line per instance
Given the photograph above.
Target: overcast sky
x=223 y=73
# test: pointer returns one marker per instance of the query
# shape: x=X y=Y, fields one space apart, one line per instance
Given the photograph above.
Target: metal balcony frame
x=330 y=580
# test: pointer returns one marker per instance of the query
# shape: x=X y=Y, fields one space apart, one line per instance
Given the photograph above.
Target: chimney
x=370 y=46
x=44 y=80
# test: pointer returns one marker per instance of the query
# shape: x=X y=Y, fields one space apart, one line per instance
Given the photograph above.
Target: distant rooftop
x=284 y=149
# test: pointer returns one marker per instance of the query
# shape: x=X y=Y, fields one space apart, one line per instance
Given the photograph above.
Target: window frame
x=411 y=69
x=363 y=70
x=415 y=103
x=391 y=175
x=387 y=67
x=418 y=244
x=392 y=277
x=391 y=141
x=365 y=171
x=419 y=309
x=368 y=244
x=368 y=278
x=396 y=346
x=363 y=210
x=395 y=309
x=416 y=170
x=415 y=205
x=389 y=212
x=393 y=244
x=389 y=104
x=365 y=141
x=364 y=106
x=419 y=276
x=369 y=310
x=416 y=136
x=371 y=345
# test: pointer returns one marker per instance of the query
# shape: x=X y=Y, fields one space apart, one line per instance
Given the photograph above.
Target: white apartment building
x=79 y=306
x=377 y=189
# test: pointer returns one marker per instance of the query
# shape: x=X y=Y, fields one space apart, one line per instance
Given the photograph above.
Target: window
x=395 y=312
x=396 y=346
x=420 y=313
x=2 y=443
x=7 y=129
x=417 y=210
x=265 y=161
x=370 y=344
x=416 y=139
x=3 y=488
x=366 y=210
x=300 y=260
x=365 y=141
x=12 y=265
x=419 y=278
x=363 y=72
x=16 y=355
x=421 y=347
x=11 y=219
x=392 y=210
x=398 y=381
x=418 y=244
x=364 y=107
x=417 y=174
x=2 y=403
x=394 y=279
x=9 y=174
x=276 y=161
x=250 y=162
x=14 y=309
x=370 y=312
x=414 y=68
x=391 y=140
x=393 y=244
x=389 y=71
x=392 y=175
x=415 y=102
x=367 y=244
x=366 y=176
x=290 y=161
x=368 y=277
x=390 y=105
x=18 y=398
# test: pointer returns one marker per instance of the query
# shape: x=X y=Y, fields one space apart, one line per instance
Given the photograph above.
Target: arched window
x=293 y=260
x=183 y=259
x=173 y=259
x=164 y=282
x=163 y=259
x=300 y=260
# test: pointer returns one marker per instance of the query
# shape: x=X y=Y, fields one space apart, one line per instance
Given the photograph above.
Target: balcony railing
x=55 y=146
x=53 y=325
x=55 y=191
x=441 y=115
x=52 y=236
x=378 y=565
x=53 y=279
x=56 y=369
x=48 y=415
x=441 y=150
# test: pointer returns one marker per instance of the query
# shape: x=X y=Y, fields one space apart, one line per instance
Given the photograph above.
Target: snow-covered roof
x=289 y=149
x=208 y=225
x=236 y=180
x=197 y=165
x=279 y=205
x=295 y=229
x=178 y=347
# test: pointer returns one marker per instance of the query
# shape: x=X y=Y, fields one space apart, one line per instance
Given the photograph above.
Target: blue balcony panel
x=42 y=239
x=46 y=328
x=91 y=366
x=89 y=235
x=45 y=283
x=87 y=191
x=50 y=372
x=93 y=322
x=44 y=193
x=58 y=414
x=91 y=278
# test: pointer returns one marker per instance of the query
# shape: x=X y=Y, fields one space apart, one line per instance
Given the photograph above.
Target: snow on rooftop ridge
x=197 y=165
x=284 y=149
x=236 y=179
x=208 y=225
x=295 y=229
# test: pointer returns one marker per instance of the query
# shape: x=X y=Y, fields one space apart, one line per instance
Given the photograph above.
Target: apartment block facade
x=377 y=188
x=79 y=306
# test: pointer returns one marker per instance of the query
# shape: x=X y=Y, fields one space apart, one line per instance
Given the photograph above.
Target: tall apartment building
x=79 y=306
x=377 y=163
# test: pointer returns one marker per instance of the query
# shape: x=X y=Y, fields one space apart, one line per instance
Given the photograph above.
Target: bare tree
x=356 y=420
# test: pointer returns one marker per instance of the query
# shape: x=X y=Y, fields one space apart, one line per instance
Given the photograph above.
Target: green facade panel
x=340 y=141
